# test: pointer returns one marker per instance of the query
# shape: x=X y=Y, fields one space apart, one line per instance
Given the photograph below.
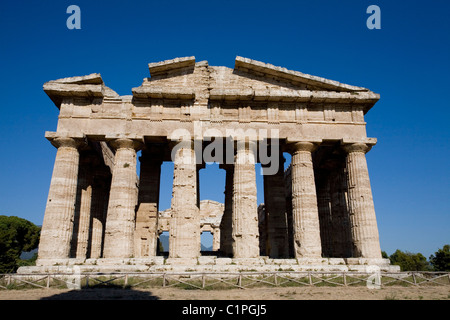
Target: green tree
x=16 y=235
x=409 y=261
x=441 y=259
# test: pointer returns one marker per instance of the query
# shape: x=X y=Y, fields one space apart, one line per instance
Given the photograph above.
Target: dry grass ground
x=287 y=293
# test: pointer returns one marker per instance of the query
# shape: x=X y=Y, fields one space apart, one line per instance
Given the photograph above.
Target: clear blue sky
x=407 y=62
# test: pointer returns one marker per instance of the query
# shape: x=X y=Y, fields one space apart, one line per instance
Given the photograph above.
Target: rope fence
x=217 y=280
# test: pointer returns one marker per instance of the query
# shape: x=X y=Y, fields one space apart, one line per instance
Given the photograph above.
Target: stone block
x=336 y=261
x=223 y=261
x=353 y=261
x=206 y=260
x=182 y=261
x=312 y=261
x=248 y=261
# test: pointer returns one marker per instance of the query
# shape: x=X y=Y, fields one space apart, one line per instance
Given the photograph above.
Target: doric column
x=57 y=227
x=305 y=215
x=184 y=241
x=366 y=243
x=325 y=214
x=288 y=194
x=245 y=210
x=226 y=239
x=275 y=209
x=83 y=207
x=100 y=197
x=342 y=242
x=148 y=199
x=120 y=219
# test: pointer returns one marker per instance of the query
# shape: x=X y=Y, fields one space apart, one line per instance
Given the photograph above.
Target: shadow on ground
x=103 y=293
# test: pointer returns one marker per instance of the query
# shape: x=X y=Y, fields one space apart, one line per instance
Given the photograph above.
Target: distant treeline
x=408 y=261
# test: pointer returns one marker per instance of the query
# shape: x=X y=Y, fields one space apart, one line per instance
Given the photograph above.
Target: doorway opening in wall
x=163 y=244
x=206 y=243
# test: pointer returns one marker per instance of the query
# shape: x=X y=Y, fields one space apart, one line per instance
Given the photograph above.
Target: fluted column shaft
x=148 y=199
x=100 y=197
x=275 y=206
x=342 y=242
x=226 y=238
x=305 y=215
x=245 y=232
x=325 y=214
x=120 y=220
x=82 y=226
x=364 y=229
x=57 y=227
x=184 y=241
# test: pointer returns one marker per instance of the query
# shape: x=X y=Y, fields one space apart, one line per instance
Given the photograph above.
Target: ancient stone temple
x=317 y=215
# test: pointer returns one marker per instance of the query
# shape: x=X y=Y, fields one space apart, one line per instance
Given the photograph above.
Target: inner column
x=245 y=232
x=226 y=237
x=148 y=199
x=275 y=209
x=185 y=221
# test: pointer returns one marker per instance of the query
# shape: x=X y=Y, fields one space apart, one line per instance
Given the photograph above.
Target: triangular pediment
x=183 y=78
x=292 y=79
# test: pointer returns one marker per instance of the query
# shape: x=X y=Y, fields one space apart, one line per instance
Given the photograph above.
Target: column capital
x=67 y=142
x=302 y=146
x=126 y=143
x=357 y=147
